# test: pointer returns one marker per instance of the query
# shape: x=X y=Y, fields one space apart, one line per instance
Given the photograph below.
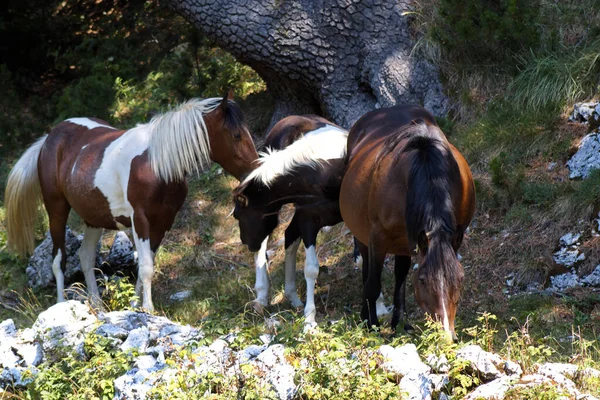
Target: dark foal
x=304 y=167
x=407 y=190
x=115 y=179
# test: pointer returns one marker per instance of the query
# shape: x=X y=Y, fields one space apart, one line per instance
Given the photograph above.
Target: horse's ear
x=225 y=102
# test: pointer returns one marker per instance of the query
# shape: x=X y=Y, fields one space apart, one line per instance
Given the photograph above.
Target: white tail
x=22 y=197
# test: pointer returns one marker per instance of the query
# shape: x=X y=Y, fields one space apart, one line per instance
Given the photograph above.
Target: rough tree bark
x=337 y=58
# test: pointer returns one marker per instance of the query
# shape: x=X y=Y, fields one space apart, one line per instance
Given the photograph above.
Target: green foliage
x=545 y=391
x=484 y=334
x=337 y=364
x=483 y=32
x=119 y=293
x=82 y=379
x=558 y=78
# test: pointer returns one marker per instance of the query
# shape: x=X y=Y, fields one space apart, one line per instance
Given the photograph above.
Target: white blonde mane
x=179 y=141
x=311 y=150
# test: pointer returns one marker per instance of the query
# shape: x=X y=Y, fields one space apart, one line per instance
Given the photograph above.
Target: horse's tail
x=22 y=198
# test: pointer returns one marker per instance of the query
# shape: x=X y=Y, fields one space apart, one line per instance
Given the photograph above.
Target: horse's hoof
x=257 y=307
x=310 y=327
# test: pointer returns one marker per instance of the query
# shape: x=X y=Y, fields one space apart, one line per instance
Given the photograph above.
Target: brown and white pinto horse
x=302 y=164
x=407 y=189
x=115 y=179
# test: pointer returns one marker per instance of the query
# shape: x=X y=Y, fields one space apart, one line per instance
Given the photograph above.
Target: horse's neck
x=294 y=188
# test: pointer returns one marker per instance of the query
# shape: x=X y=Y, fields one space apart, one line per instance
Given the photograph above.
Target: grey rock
x=180 y=296
x=250 y=353
x=17 y=377
x=592 y=279
x=570 y=239
x=126 y=320
x=39 y=270
x=279 y=373
x=438 y=381
x=416 y=386
x=550 y=369
x=584 y=112
x=438 y=364
x=121 y=254
x=31 y=353
x=564 y=281
x=402 y=360
x=137 y=339
x=512 y=368
x=482 y=362
x=587 y=157
x=134 y=385
x=112 y=331
x=145 y=362
x=61 y=329
x=7 y=329
x=494 y=390
x=568 y=257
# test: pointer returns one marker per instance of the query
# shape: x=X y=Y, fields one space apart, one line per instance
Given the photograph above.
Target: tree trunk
x=337 y=58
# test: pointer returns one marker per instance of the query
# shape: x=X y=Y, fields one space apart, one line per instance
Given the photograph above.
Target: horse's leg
x=58 y=212
x=87 y=256
x=356 y=256
x=401 y=268
x=311 y=268
x=360 y=254
x=292 y=242
x=261 y=285
x=372 y=286
x=141 y=236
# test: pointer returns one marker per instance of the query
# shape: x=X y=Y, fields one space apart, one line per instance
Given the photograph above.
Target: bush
x=484 y=32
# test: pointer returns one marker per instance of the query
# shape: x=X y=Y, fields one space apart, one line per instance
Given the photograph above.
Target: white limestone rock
x=61 y=329
x=587 y=157
x=402 y=360
x=488 y=365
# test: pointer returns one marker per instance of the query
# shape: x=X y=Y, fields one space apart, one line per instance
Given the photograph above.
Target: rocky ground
x=157 y=344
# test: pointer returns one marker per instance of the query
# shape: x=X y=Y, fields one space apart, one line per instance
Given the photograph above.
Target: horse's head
x=230 y=140
x=438 y=280
x=255 y=213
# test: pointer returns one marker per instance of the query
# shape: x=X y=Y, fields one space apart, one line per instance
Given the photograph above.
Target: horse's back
x=71 y=164
x=292 y=128
x=373 y=193
x=382 y=122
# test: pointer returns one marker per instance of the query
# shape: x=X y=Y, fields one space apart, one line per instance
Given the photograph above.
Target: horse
x=116 y=179
x=303 y=164
x=407 y=190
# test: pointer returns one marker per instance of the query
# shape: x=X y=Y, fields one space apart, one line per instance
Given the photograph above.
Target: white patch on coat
x=88 y=123
x=60 y=278
x=311 y=272
x=445 y=320
x=261 y=285
x=112 y=178
x=313 y=149
x=87 y=257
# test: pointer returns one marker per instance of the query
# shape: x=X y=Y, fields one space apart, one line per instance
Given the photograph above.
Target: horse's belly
x=353 y=203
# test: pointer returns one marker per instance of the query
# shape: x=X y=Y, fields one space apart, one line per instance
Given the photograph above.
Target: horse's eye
x=237 y=135
x=422 y=280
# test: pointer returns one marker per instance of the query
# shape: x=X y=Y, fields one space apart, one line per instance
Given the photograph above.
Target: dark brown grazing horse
x=115 y=179
x=407 y=189
x=303 y=165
